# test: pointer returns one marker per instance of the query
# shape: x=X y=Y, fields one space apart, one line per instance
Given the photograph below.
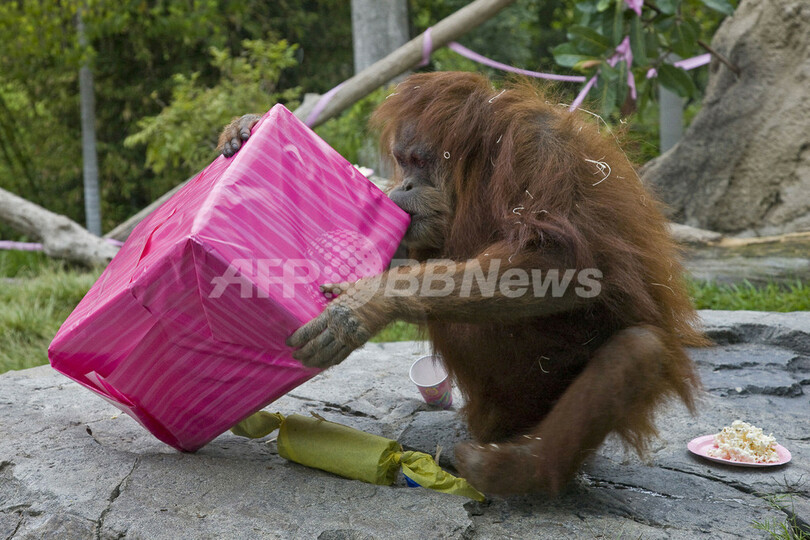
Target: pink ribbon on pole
x=458 y=48
x=20 y=246
x=427 y=47
x=321 y=105
x=686 y=64
x=582 y=93
x=624 y=53
x=475 y=57
x=34 y=246
x=694 y=62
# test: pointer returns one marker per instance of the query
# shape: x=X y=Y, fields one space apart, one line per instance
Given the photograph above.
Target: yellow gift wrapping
x=351 y=453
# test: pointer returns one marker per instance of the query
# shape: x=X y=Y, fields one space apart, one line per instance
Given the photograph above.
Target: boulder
x=743 y=165
x=73 y=467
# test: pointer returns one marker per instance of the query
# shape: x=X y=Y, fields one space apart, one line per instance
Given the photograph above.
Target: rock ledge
x=72 y=467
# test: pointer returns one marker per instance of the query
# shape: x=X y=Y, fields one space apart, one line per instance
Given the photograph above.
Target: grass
x=746 y=296
x=787 y=529
x=24 y=263
x=781 y=530
x=33 y=304
x=37 y=294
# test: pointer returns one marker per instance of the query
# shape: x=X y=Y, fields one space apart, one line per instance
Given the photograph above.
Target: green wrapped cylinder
x=338 y=449
x=351 y=453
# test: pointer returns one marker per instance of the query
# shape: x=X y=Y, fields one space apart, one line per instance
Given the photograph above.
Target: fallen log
x=60 y=236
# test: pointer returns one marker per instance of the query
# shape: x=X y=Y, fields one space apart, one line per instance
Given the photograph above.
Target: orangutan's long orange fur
x=521 y=172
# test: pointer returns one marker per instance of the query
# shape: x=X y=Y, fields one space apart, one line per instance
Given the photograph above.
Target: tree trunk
x=378 y=27
x=92 y=206
x=60 y=236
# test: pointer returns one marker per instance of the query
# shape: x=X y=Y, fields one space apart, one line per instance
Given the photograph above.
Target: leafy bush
x=348 y=132
x=658 y=32
x=248 y=83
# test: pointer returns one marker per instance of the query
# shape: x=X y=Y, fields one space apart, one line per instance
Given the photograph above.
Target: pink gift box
x=185 y=328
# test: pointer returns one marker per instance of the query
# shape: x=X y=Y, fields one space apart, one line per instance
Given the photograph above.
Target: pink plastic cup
x=429 y=375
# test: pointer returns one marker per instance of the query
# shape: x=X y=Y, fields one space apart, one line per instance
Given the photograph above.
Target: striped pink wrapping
x=185 y=328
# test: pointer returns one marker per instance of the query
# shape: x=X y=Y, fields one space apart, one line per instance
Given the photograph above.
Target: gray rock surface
x=72 y=467
x=770 y=259
x=743 y=166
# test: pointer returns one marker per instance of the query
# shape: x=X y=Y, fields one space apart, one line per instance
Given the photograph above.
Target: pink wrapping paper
x=185 y=328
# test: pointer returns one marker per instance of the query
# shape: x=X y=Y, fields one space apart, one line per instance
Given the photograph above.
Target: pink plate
x=701 y=445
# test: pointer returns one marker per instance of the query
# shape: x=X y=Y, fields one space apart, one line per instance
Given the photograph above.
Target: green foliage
x=323 y=31
x=348 y=132
x=446 y=60
x=198 y=61
x=507 y=37
x=665 y=31
x=32 y=161
x=247 y=82
x=399 y=331
x=141 y=53
x=38 y=31
x=521 y=35
x=35 y=103
x=39 y=110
